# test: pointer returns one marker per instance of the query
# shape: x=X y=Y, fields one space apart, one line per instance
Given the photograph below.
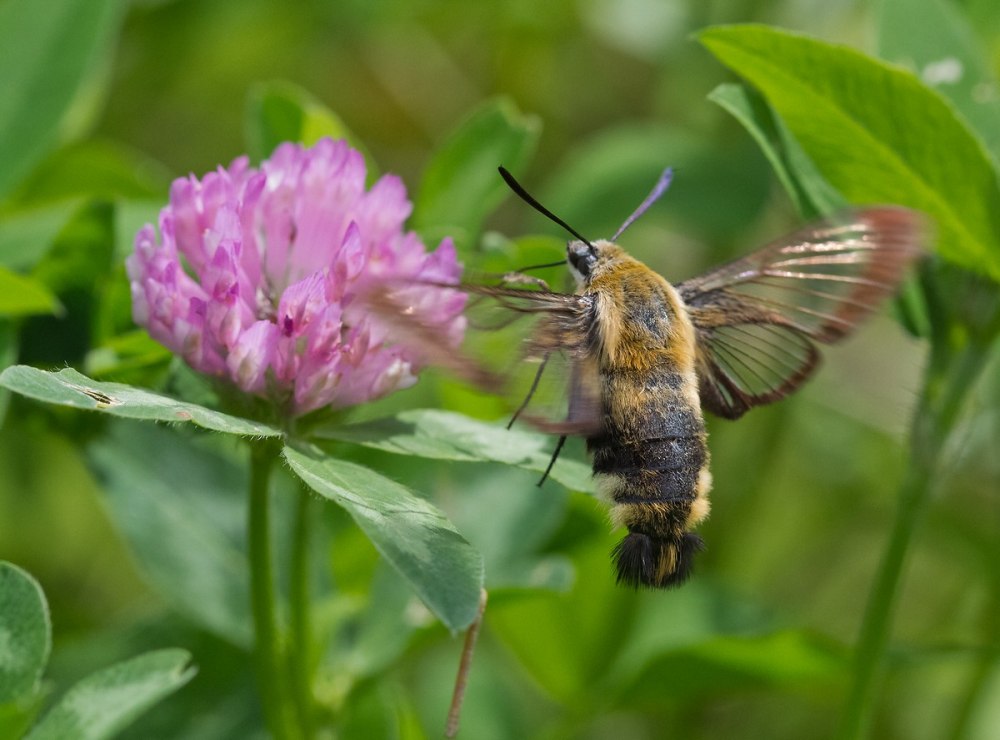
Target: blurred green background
x=758 y=644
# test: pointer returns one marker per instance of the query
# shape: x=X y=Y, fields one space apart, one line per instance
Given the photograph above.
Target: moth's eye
x=581 y=256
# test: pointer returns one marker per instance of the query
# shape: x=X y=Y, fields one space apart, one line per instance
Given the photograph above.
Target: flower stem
x=299 y=659
x=465 y=664
x=948 y=382
x=267 y=645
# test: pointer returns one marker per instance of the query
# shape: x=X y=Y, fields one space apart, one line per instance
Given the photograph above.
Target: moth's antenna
x=661 y=186
x=530 y=200
x=560 y=263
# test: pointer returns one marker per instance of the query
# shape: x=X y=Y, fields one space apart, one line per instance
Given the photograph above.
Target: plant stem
x=947 y=384
x=299 y=659
x=462 y=680
x=267 y=645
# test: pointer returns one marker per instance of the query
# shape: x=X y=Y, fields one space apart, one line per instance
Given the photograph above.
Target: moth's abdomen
x=651 y=460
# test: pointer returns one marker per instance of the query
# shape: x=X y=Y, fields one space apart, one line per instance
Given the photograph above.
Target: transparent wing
x=756 y=318
x=532 y=346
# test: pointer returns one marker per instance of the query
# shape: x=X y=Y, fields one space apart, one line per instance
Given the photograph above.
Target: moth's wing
x=532 y=346
x=756 y=319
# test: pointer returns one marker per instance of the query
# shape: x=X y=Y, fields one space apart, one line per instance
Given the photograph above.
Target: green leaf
x=49 y=56
x=25 y=634
x=461 y=185
x=182 y=510
x=281 y=111
x=69 y=388
x=23 y=296
x=935 y=38
x=111 y=699
x=811 y=194
x=26 y=236
x=411 y=533
x=846 y=109
x=445 y=435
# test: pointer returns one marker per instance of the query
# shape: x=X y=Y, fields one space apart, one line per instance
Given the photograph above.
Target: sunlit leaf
x=49 y=52
x=22 y=296
x=410 y=533
x=845 y=110
x=182 y=510
x=461 y=184
x=69 y=388
x=111 y=699
x=445 y=435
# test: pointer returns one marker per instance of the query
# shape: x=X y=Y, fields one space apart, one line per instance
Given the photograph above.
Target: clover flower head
x=258 y=277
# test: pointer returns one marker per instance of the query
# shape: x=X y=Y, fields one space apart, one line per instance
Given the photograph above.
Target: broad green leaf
x=46 y=58
x=69 y=388
x=25 y=633
x=935 y=38
x=107 y=701
x=846 y=109
x=461 y=185
x=26 y=236
x=811 y=194
x=23 y=296
x=410 y=533
x=445 y=435
x=281 y=111
x=182 y=510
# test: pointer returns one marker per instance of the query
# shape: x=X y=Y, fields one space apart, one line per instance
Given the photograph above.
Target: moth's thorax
x=640 y=318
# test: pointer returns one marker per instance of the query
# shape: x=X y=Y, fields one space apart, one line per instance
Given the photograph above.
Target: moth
x=645 y=358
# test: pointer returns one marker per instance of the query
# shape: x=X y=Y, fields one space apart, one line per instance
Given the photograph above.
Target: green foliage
x=280 y=111
x=410 y=533
x=444 y=435
x=24 y=647
x=104 y=703
x=366 y=583
x=70 y=388
x=99 y=705
x=460 y=186
x=55 y=52
x=845 y=110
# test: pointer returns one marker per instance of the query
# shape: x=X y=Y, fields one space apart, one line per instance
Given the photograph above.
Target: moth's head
x=586 y=259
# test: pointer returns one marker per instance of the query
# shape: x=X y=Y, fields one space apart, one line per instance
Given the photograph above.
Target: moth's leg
x=519 y=278
x=531 y=391
x=555 y=456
